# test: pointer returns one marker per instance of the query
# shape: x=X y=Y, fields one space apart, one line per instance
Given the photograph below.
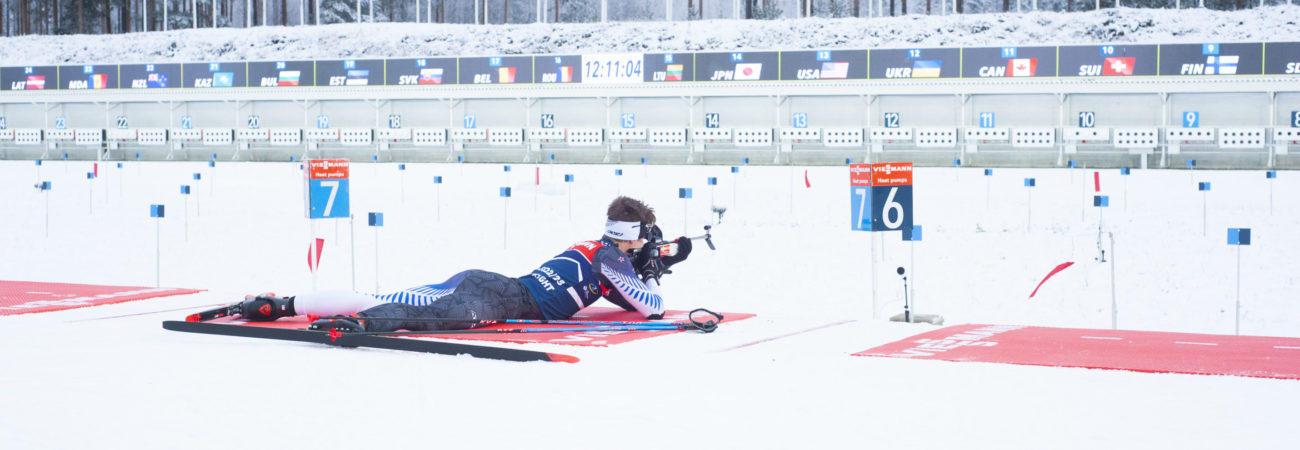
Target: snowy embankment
x=1124 y=25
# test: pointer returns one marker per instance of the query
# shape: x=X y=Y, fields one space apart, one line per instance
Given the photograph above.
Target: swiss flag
x=1022 y=67
x=1118 y=66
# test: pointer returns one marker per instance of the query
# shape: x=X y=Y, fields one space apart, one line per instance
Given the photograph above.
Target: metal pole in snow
x=1237 y=314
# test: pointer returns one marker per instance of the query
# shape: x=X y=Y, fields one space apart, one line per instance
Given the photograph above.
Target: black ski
x=216 y=313
x=356 y=340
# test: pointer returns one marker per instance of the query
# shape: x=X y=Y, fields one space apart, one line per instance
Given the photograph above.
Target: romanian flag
x=927 y=68
x=506 y=75
x=566 y=74
x=430 y=76
x=288 y=78
x=674 y=72
x=99 y=81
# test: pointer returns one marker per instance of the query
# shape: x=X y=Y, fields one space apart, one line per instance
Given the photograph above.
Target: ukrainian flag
x=926 y=68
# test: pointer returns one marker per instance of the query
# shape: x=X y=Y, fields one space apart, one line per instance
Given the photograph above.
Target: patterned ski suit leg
x=481 y=295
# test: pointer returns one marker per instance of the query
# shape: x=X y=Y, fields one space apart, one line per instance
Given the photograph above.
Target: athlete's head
x=628 y=222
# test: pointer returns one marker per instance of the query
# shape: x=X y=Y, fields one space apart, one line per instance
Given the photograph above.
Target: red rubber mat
x=22 y=297
x=1139 y=351
x=579 y=338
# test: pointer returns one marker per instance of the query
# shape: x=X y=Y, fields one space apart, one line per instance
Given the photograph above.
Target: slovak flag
x=1118 y=66
x=1022 y=67
x=431 y=76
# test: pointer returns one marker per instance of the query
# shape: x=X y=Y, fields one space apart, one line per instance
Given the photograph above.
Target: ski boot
x=266 y=307
x=344 y=324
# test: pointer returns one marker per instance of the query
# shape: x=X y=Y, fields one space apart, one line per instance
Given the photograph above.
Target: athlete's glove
x=683 y=250
x=649 y=265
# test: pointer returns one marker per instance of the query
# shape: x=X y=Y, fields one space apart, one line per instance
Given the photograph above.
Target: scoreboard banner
x=149 y=76
x=669 y=67
x=915 y=63
x=420 y=71
x=350 y=72
x=215 y=75
x=1211 y=59
x=1108 y=60
x=282 y=73
x=824 y=65
x=88 y=77
x=1008 y=62
x=1094 y=60
x=737 y=66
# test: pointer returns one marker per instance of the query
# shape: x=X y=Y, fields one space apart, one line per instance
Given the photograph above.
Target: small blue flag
x=684 y=193
x=912 y=234
x=185 y=189
x=1239 y=236
x=1270 y=174
x=1101 y=201
x=437 y=179
x=198 y=176
x=504 y=192
x=1030 y=182
x=735 y=169
x=1191 y=163
x=157 y=211
x=568 y=178
x=376 y=219
x=988 y=172
x=713 y=181
x=1203 y=186
x=956 y=162
x=1123 y=170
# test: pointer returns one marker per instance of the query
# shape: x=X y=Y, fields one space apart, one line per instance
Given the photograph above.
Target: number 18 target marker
x=881 y=196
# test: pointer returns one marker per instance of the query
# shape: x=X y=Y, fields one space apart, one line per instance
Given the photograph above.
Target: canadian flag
x=1022 y=67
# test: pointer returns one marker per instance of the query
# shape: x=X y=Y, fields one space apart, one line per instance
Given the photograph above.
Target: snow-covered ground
x=1124 y=25
x=87 y=378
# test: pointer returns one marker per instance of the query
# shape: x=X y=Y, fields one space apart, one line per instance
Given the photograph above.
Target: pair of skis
x=197 y=323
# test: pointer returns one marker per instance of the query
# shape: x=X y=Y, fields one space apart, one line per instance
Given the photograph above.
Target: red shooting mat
x=22 y=297
x=1139 y=351
x=579 y=338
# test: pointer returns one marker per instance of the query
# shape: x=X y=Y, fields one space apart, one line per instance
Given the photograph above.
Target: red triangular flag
x=806 y=183
x=313 y=261
x=1049 y=275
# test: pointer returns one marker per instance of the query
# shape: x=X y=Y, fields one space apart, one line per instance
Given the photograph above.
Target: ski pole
x=486 y=322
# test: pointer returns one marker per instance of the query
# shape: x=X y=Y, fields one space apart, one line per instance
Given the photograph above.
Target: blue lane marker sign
x=988 y=172
x=1203 y=186
x=185 y=189
x=504 y=192
x=376 y=219
x=158 y=211
x=956 y=162
x=713 y=181
x=568 y=178
x=1073 y=164
x=90 y=175
x=1123 y=171
x=1101 y=201
x=401 y=167
x=684 y=193
x=507 y=168
x=912 y=234
x=1239 y=236
x=212 y=164
x=744 y=160
x=735 y=169
x=198 y=176
x=848 y=160
x=1270 y=174
x=119 y=165
x=1030 y=182
x=618 y=172
x=45 y=185
x=1191 y=163
x=38 y=162
x=644 y=160
x=437 y=179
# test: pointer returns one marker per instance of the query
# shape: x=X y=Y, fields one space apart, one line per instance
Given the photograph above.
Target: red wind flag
x=1049 y=275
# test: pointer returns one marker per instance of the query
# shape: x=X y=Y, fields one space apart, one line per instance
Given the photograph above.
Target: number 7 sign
x=327 y=189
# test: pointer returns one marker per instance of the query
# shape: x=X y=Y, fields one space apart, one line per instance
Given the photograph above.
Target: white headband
x=625 y=231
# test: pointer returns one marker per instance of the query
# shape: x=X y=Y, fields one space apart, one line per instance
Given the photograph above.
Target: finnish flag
x=1221 y=65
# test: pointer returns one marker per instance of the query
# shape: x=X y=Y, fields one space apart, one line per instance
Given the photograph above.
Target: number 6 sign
x=881 y=196
x=327 y=189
